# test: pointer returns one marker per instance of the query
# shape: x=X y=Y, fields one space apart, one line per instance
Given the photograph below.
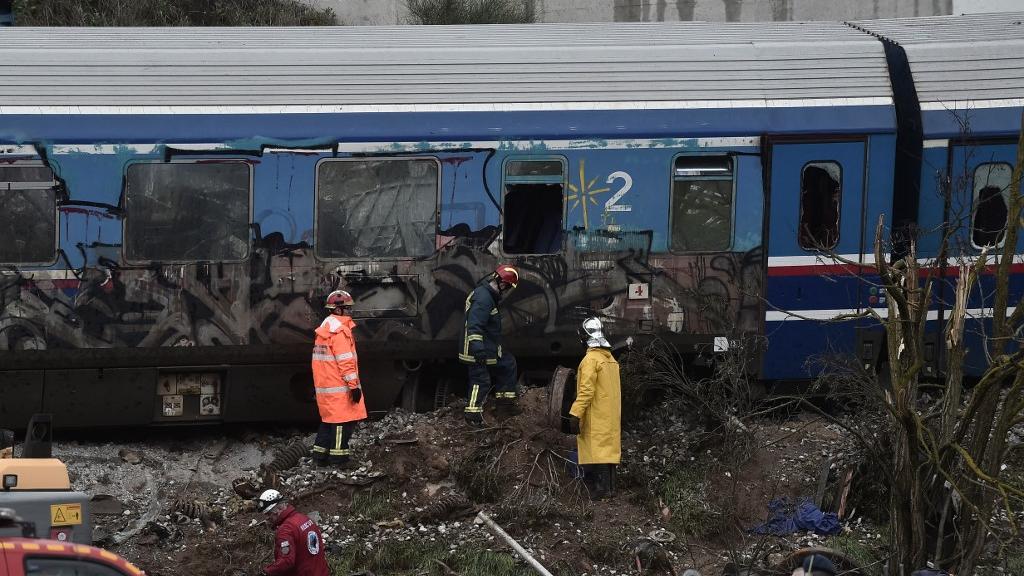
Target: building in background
x=370 y=12
x=975 y=6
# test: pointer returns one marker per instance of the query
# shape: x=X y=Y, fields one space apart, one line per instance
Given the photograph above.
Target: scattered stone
x=129 y=456
x=101 y=537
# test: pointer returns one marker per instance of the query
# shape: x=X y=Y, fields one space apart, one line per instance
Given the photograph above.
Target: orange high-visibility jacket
x=336 y=371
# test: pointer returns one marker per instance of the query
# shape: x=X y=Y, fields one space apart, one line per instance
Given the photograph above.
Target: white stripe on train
x=836 y=313
x=67 y=110
x=384 y=147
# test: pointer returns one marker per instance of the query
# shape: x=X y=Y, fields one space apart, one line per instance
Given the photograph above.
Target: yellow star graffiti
x=583 y=194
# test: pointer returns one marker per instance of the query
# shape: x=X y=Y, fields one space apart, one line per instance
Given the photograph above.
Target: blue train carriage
x=961 y=126
x=177 y=216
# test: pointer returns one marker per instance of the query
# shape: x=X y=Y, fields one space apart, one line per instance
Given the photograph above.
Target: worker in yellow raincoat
x=595 y=416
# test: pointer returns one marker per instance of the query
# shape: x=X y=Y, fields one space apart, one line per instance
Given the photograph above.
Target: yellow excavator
x=38 y=488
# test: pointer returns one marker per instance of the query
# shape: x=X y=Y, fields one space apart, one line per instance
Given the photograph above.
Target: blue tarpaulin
x=785 y=519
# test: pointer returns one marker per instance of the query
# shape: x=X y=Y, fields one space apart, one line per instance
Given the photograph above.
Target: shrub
x=170 y=13
x=471 y=11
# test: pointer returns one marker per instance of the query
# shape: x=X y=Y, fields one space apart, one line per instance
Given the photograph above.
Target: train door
x=815 y=206
x=980 y=178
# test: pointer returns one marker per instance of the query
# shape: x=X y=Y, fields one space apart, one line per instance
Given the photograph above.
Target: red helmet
x=338 y=298
x=507 y=274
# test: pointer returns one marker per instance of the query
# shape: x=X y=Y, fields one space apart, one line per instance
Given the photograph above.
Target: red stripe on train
x=820 y=270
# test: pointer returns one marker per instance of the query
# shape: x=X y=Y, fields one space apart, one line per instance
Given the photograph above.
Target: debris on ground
x=406 y=505
x=789 y=518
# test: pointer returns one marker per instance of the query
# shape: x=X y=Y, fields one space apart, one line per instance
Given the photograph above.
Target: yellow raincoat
x=598 y=405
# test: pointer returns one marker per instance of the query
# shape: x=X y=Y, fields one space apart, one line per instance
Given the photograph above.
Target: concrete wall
x=976 y=6
x=376 y=12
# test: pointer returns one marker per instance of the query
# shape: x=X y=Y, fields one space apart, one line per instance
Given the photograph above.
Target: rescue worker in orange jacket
x=339 y=395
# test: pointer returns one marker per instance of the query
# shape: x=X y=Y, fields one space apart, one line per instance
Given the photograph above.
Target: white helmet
x=269 y=500
x=592 y=333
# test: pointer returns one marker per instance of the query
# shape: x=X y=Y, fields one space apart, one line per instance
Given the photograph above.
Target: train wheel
x=424 y=392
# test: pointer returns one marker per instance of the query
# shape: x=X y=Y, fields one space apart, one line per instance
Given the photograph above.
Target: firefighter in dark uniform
x=489 y=366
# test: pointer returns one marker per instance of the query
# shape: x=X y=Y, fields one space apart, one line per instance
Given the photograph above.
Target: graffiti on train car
x=95 y=298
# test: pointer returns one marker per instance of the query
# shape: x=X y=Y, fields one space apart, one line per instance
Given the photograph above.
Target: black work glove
x=355 y=394
x=574 y=424
x=481 y=359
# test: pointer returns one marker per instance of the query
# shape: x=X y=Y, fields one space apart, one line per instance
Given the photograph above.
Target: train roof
x=974 y=60
x=450 y=68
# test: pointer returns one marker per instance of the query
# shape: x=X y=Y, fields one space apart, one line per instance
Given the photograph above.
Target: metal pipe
x=515 y=545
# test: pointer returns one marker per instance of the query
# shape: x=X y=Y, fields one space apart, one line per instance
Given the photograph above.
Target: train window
x=376 y=208
x=702 y=197
x=991 y=201
x=29 y=218
x=187 y=211
x=820 y=193
x=533 y=206
x=533 y=168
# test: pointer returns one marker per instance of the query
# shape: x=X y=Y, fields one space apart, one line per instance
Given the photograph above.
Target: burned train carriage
x=178 y=202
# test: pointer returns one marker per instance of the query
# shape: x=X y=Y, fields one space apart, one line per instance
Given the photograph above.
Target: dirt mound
x=409 y=504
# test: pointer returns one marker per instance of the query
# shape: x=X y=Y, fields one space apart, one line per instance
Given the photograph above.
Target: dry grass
x=482 y=475
x=423 y=557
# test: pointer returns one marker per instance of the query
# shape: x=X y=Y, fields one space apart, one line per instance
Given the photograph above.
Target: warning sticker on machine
x=65 y=514
x=173 y=405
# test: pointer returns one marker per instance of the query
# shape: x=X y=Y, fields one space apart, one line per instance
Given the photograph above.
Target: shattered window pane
x=533 y=219
x=533 y=206
x=820 y=194
x=187 y=211
x=991 y=199
x=29 y=215
x=702 y=204
x=376 y=208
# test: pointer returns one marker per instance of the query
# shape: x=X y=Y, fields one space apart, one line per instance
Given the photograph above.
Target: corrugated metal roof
x=957 y=60
x=643 y=64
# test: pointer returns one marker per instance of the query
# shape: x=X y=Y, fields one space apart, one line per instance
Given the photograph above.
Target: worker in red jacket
x=339 y=395
x=298 y=543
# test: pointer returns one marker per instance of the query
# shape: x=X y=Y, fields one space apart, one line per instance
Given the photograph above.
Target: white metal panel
x=633 y=65
x=960 y=59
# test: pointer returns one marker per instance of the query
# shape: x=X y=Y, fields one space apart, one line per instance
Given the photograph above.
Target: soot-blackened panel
x=28 y=216
x=187 y=211
x=376 y=208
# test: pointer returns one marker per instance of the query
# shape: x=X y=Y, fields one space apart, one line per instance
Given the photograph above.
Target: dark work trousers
x=599 y=479
x=501 y=377
x=331 y=445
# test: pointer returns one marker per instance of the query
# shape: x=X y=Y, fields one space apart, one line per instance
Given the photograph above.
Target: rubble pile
x=184 y=505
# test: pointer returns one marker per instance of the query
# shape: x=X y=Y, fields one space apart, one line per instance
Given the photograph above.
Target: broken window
x=187 y=211
x=533 y=206
x=702 y=193
x=820 y=193
x=377 y=208
x=29 y=215
x=991 y=200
